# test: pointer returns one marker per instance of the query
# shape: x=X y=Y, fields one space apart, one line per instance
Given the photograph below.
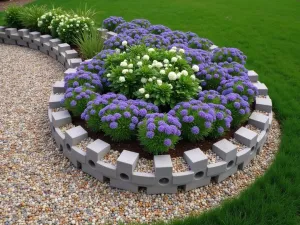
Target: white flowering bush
x=56 y=22
x=70 y=28
x=161 y=76
x=45 y=20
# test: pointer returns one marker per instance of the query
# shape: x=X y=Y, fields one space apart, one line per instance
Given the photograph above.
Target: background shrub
x=44 y=22
x=29 y=16
x=12 y=16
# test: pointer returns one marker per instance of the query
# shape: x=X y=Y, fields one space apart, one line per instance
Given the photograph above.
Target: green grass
x=268 y=32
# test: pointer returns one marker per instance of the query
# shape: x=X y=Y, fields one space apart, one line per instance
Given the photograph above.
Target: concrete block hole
x=142 y=189
x=91 y=163
x=252 y=150
x=106 y=180
x=68 y=147
x=199 y=175
x=164 y=181
x=124 y=176
x=230 y=164
x=61 y=148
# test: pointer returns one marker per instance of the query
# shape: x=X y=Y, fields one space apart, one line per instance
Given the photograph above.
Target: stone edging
x=122 y=175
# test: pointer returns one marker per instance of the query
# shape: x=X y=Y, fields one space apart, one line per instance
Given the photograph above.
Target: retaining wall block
x=214 y=169
x=61 y=118
x=72 y=63
x=160 y=190
x=59 y=87
x=253 y=76
x=23 y=32
x=55 y=50
x=33 y=46
x=62 y=58
x=181 y=178
x=47 y=46
x=197 y=183
x=37 y=41
x=96 y=150
x=50 y=114
x=34 y=35
x=228 y=173
x=102 y=32
x=74 y=136
x=106 y=169
x=143 y=179
x=26 y=38
x=22 y=43
x=270 y=119
x=2 y=29
x=242 y=155
x=263 y=104
x=63 y=47
x=126 y=164
x=1 y=40
x=10 y=31
x=77 y=155
x=111 y=34
x=15 y=36
x=70 y=54
x=70 y=71
x=260 y=141
x=44 y=50
x=54 y=42
x=262 y=88
x=10 y=42
x=45 y=38
x=55 y=100
x=246 y=137
x=163 y=169
x=53 y=55
x=124 y=185
x=91 y=171
x=252 y=155
x=225 y=149
x=3 y=35
x=59 y=138
x=259 y=120
x=213 y=47
x=196 y=159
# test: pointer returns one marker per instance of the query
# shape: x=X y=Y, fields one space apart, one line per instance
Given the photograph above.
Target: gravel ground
x=39 y=186
x=212 y=157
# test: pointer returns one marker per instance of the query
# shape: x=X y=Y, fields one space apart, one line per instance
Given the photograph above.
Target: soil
x=5 y=4
x=134 y=145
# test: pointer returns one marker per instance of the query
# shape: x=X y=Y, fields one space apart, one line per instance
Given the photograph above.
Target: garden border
x=122 y=175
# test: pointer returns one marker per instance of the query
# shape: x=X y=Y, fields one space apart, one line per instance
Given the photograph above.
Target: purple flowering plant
x=159 y=132
x=158 y=29
x=190 y=35
x=197 y=56
x=81 y=77
x=126 y=26
x=121 y=42
x=137 y=34
x=235 y=69
x=212 y=96
x=176 y=37
x=112 y=22
x=200 y=43
x=155 y=41
x=228 y=55
x=142 y=22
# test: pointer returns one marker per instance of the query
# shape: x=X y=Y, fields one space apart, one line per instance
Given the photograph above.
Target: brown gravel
x=39 y=186
x=212 y=157
x=253 y=128
x=239 y=145
x=84 y=143
x=66 y=127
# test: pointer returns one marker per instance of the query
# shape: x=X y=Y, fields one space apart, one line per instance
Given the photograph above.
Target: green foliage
x=55 y=24
x=45 y=20
x=12 y=16
x=84 y=11
x=90 y=43
x=29 y=16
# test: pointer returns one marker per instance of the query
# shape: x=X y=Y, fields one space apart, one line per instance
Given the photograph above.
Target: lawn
x=268 y=32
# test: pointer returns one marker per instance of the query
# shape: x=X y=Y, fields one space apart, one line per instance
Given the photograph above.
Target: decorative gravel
x=83 y=144
x=253 y=128
x=262 y=96
x=38 y=185
x=58 y=109
x=66 y=127
x=258 y=111
x=111 y=157
x=179 y=165
x=144 y=165
x=212 y=157
x=239 y=145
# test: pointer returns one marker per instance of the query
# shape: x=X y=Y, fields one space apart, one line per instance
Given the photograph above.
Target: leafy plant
x=12 y=16
x=55 y=22
x=29 y=16
x=83 y=11
x=44 y=22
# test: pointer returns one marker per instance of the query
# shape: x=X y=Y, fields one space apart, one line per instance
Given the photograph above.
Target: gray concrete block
x=50 y=114
x=2 y=29
x=59 y=87
x=62 y=58
x=53 y=55
x=213 y=47
x=214 y=169
x=126 y=164
x=102 y=31
x=10 y=31
x=33 y=46
x=244 y=164
x=106 y=169
x=47 y=46
x=198 y=183
x=262 y=88
x=72 y=63
x=260 y=141
x=61 y=118
x=111 y=34
x=54 y=42
x=45 y=38
x=59 y=139
x=181 y=178
x=226 y=174
x=37 y=41
x=196 y=159
x=63 y=47
x=96 y=150
x=55 y=50
x=78 y=154
x=3 y=35
x=22 y=43
x=70 y=71
x=242 y=155
x=143 y=179
x=15 y=36
x=71 y=54
x=253 y=76
x=160 y=190
x=33 y=35
x=74 y=136
x=10 y=42
x=44 y=50
x=163 y=169
x=124 y=185
x=225 y=149
x=246 y=137
x=91 y=171
x=259 y=120
x=1 y=40
x=26 y=38
x=55 y=100
x=23 y=32
x=263 y=104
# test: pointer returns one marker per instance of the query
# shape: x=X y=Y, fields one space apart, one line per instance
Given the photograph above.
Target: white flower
x=162 y=72
x=117 y=51
x=153 y=78
x=143 y=80
x=174 y=47
x=166 y=61
x=178 y=75
x=200 y=88
x=122 y=79
x=150 y=66
x=166 y=65
x=140 y=63
x=108 y=75
x=184 y=72
x=193 y=77
x=155 y=61
x=159 y=65
x=142 y=90
x=172 y=76
x=159 y=82
x=138 y=57
x=178 y=57
x=195 y=68
x=146 y=57
x=123 y=64
x=130 y=71
x=171 y=86
x=150 y=80
x=125 y=71
x=124 y=43
x=151 y=50
x=172 y=50
x=181 y=50
x=147 y=95
x=130 y=66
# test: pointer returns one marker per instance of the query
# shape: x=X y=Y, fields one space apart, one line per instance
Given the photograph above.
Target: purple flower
x=112 y=22
x=150 y=134
x=167 y=142
x=113 y=125
x=195 y=130
x=73 y=103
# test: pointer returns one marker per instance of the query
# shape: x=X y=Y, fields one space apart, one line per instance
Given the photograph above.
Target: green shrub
x=55 y=24
x=29 y=16
x=45 y=20
x=84 y=12
x=90 y=43
x=12 y=16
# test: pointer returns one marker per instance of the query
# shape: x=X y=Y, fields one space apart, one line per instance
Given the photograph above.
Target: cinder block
x=55 y=100
x=246 y=137
x=54 y=42
x=226 y=174
x=74 y=136
x=33 y=46
x=242 y=155
x=143 y=179
x=70 y=71
x=47 y=46
x=15 y=36
x=124 y=185
x=111 y=34
x=1 y=40
x=3 y=35
x=263 y=104
x=260 y=141
x=252 y=155
x=10 y=42
x=225 y=149
x=253 y=76
x=34 y=35
x=53 y=55
x=102 y=31
x=96 y=151
x=196 y=159
x=259 y=120
x=45 y=38
x=78 y=155
x=27 y=38
x=160 y=190
x=50 y=114
x=197 y=183
x=126 y=163
x=63 y=47
x=163 y=169
x=61 y=118
x=59 y=138
x=72 y=63
x=62 y=58
x=214 y=169
x=2 y=29
x=106 y=169
x=213 y=47
x=94 y=173
x=44 y=50
x=58 y=87
x=270 y=119
x=262 y=88
x=55 y=50
x=181 y=178
x=37 y=41
x=10 y=31
x=22 y=43
x=23 y=32
x=71 y=54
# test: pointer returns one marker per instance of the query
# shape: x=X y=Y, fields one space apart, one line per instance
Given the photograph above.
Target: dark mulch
x=5 y=4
